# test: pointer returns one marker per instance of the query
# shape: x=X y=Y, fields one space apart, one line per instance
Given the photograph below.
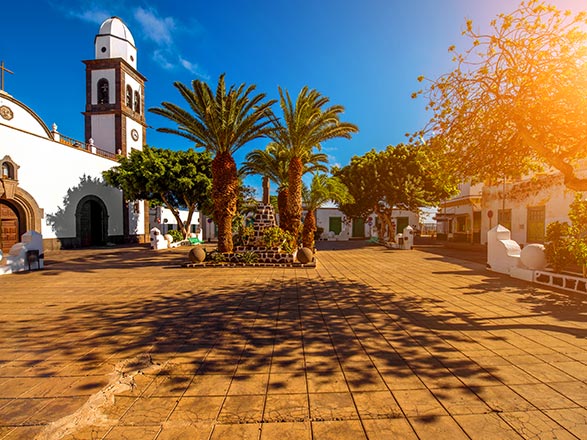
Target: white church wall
x=132 y=143
x=58 y=177
x=103 y=132
x=130 y=81
x=108 y=74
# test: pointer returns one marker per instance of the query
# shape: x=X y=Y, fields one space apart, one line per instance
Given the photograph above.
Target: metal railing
x=70 y=142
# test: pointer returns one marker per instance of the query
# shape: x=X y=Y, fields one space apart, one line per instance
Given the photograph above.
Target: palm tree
x=221 y=123
x=322 y=189
x=306 y=125
x=273 y=163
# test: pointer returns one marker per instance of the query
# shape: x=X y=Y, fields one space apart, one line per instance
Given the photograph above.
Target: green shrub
x=277 y=237
x=557 y=246
x=177 y=235
x=244 y=235
x=247 y=257
x=578 y=245
x=216 y=257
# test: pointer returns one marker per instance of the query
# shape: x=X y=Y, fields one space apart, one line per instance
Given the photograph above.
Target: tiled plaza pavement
x=373 y=343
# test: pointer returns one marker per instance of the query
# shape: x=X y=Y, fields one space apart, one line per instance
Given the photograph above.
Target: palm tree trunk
x=282 y=196
x=309 y=230
x=294 y=202
x=224 y=197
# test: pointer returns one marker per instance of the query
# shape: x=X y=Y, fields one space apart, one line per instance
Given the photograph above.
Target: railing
x=90 y=148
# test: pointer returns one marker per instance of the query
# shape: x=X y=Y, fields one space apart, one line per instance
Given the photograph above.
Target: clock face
x=134 y=135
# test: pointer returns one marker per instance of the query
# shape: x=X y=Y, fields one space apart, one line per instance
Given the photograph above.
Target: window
x=137 y=101
x=462 y=225
x=504 y=218
x=335 y=224
x=535 y=231
x=7 y=172
x=129 y=96
x=103 y=91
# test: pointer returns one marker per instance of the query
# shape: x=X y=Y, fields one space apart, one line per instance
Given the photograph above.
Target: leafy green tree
x=273 y=163
x=404 y=177
x=220 y=122
x=517 y=98
x=306 y=125
x=175 y=179
x=322 y=189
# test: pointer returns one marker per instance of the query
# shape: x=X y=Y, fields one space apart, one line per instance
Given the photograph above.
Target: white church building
x=52 y=184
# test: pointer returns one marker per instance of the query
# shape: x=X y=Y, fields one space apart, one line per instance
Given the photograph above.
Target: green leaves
x=175 y=179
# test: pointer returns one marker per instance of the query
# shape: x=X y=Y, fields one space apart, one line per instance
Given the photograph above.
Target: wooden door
x=9 y=227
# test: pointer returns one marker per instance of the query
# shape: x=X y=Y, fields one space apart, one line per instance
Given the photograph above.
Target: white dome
x=114 y=40
x=116 y=28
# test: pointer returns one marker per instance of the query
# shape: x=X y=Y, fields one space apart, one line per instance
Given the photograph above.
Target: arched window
x=137 y=101
x=129 y=96
x=103 y=91
x=7 y=171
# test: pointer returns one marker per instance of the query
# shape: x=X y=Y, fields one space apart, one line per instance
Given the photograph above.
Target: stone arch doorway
x=91 y=222
x=11 y=225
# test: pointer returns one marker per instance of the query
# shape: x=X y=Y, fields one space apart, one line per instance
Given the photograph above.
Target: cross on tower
x=2 y=70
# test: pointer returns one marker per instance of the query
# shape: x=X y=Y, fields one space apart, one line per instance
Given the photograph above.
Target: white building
x=164 y=220
x=524 y=206
x=459 y=218
x=337 y=226
x=52 y=184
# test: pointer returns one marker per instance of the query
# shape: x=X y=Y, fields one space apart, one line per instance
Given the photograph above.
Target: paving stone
x=487 y=427
x=340 y=430
x=286 y=431
x=437 y=427
x=385 y=429
x=535 y=424
x=419 y=403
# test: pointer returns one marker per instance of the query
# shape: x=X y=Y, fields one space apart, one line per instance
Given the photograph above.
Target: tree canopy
x=175 y=179
x=400 y=177
x=517 y=98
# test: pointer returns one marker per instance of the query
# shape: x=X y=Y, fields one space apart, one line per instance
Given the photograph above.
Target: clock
x=134 y=134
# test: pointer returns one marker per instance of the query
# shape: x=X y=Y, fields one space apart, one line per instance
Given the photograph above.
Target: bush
x=277 y=237
x=177 y=235
x=244 y=235
x=247 y=257
x=557 y=246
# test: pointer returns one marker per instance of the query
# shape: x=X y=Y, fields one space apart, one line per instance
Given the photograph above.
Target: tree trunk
x=309 y=230
x=282 y=196
x=294 y=202
x=224 y=196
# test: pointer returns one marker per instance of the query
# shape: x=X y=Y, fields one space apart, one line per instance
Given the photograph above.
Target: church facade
x=53 y=184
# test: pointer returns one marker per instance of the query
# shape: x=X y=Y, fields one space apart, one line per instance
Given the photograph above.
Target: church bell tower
x=115 y=92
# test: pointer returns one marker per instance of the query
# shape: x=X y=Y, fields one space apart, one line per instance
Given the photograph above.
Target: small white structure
x=163 y=219
x=502 y=252
x=158 y=240
x=24 y=255
x=504 y=255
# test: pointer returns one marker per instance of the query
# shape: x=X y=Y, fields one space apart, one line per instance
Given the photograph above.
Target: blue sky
x=365 y=55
